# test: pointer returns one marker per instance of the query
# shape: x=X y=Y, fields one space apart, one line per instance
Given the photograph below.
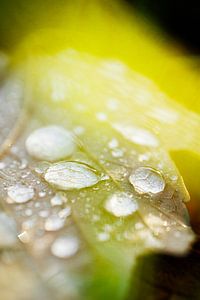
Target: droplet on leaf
x=19 y=194
x=54 y=223
x=147 y=180
x=50 y=143
x=121 y=205
x=65 y=247
x=71 y=175
x=137 y=135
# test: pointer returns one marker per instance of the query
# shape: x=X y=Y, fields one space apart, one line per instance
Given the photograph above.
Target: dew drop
x=64 y=213
x=147 y=180
x=101 y=116
x=20 y=194
x=65 y=247
x=103 y=236
x=137 y=135
x=121 y=205
x=113 y=143
x=50 y=143
x=54 y=223
x=71 y=175
x=58 y=199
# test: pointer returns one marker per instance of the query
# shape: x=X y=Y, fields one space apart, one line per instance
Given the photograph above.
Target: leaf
x=115 y=117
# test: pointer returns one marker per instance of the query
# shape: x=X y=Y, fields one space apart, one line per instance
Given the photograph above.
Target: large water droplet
x=19 y=194
x=65 y=247
x=147 y=180
x=121 y=205
x=50 y=143
x=71 y=175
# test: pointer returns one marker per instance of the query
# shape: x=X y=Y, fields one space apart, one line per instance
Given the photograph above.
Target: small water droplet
x=137 y=135
x=101 y=116
x=50 y=143
x=147 y=180
x=43 y=213
x=71 y=175
x=64 y=213
x=42 y=194
x=117 y=153
x=113 y=144
x=121 y=205
x=19 y=194
x=54 y=223
x=58 y=199
x=65 y=247
x=103 y=236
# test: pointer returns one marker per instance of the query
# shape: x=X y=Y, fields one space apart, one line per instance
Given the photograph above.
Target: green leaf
x=121 y=124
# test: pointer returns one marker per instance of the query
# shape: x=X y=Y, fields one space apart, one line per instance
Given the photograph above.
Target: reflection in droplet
x=121 y=205
x=50 y=143
x=71 y=175
x=65 y=247
x=147 y=180
x=19 y=194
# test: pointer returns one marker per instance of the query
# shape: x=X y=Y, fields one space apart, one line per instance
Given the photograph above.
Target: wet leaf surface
x=81 y=249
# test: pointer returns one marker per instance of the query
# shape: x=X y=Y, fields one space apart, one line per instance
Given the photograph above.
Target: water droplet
x=43 y=213
x=147 y=180
x=117 y=153
x=54 y=223
x=42 y=194
x=137 y=135
x=50 y=143
x=71 y=175
x=64 y=213
x=103 y=236
x=65 y=247
x=58 y=199
x=113 y=144
x=121 y=205
x=8 y=232
x=164 y=115
x=101 y=116
x=20 y=194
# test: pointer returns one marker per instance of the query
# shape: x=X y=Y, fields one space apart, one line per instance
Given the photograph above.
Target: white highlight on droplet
x=19 y=194
x=121 y=205
x=50 y=143
x=137 y=135
x=147 y=180
x=71 y=175
x=65 y=247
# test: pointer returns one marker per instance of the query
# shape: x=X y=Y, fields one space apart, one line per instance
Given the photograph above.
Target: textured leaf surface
x=120 y=122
